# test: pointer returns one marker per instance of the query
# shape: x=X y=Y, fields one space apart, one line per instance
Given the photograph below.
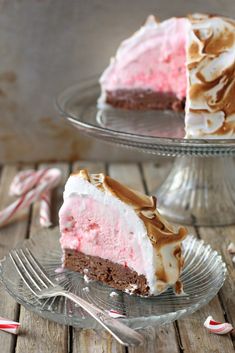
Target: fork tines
x=30 y=270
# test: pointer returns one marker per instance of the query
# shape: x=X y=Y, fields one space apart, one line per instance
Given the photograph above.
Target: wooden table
x=185 y=335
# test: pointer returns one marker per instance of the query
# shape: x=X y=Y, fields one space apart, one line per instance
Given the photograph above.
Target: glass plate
x=159 y=132
x=203 y=275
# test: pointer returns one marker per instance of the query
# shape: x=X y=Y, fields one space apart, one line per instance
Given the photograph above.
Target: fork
x=42 y=286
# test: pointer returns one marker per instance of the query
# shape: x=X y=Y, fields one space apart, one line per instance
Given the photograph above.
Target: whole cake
x=181 y=63
x=114 y=234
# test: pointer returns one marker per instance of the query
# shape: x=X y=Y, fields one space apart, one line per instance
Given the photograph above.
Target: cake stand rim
x=156 y=145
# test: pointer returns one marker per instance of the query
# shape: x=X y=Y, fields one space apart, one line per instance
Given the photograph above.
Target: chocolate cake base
x=144 y=100
x=112 y=274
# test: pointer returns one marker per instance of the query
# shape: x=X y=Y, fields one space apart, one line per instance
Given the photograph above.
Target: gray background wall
x=46 y=45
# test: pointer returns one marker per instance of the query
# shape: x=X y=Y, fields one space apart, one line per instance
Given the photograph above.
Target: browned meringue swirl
x=159 y=231
x=211 y=63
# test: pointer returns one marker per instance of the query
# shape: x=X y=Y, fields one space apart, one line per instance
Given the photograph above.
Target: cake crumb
x=113 y=294
x=179 y=288
x=86 y=289
x=85 y=270
x=59 y=270
x=131 y=288
x=87 y=279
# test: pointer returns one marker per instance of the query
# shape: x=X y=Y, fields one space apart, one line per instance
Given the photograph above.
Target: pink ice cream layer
x=97 y=229
x=152 y=59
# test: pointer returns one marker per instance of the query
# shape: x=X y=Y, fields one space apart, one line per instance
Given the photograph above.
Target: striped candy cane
x=9 y=326
x=217 y=327
x=115 y=314
x=32 y=186
x=45 y=209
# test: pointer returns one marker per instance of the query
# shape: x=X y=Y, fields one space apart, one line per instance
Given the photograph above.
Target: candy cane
x=45 y=209
x=25 y=181
x=231 y=248
x=32 y=186
x=9 y=326
x=217 y=327
x=115 y=314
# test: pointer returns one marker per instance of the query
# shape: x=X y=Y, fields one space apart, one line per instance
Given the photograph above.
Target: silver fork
x=39 y=283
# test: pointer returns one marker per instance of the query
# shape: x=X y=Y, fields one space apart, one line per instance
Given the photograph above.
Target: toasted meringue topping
x=159 y=231
x=211 y=76
x=131 y=222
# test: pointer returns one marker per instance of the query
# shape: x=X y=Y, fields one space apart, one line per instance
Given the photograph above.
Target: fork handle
x=123 y=334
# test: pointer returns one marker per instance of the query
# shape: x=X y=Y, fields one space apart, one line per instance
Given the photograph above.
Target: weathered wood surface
x=187 y=335
x=190 y=328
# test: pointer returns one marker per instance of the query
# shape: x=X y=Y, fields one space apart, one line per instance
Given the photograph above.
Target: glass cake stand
x=200 y=188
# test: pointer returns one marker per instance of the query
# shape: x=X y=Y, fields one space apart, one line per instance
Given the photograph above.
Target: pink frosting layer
x=96 y=229
x=153 y=58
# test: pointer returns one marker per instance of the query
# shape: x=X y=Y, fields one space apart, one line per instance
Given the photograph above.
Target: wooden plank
x=10 y=235
x=128 y=174
x=161 y=340
x=43 y=336
x=193 y=336
x=90 y=341
x=92 y=167
x=220 y=238
x=155 y=173
x=164 y=338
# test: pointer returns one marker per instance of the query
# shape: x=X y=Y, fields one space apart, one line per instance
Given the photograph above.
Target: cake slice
x=181 y=63
x=114 y=234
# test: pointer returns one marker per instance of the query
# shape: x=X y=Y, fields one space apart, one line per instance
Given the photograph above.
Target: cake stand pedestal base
x=199 y=191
